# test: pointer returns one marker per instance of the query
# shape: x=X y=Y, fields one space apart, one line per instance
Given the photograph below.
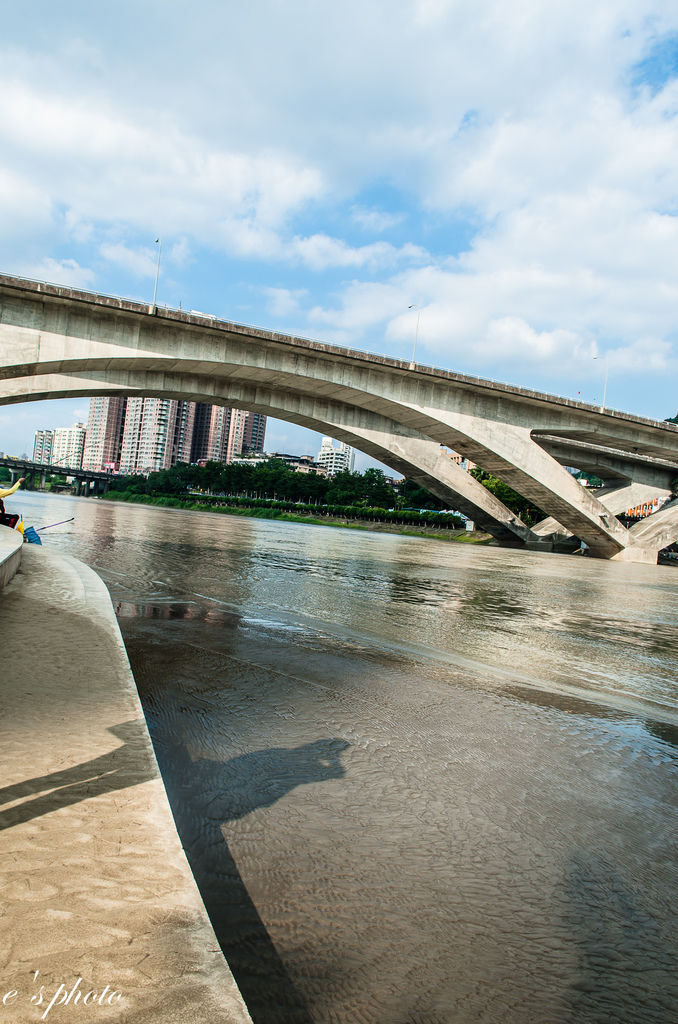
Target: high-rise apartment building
x=254 y=433
x=210 y=435
x=68 y=445
x=142 y=435
x=103 y=440
x=42 y=446
x=158 y=433
x=221 y=434
x=334 y=458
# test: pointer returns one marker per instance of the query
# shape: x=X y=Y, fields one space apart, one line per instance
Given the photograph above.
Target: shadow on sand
x=205 y=795
x=116 y=769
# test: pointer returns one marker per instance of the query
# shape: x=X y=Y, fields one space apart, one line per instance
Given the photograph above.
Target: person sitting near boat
x=7 y=518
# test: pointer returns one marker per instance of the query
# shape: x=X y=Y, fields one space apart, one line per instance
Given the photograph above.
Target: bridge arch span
x=505 y=449
x=50 y=330
x=416 y=457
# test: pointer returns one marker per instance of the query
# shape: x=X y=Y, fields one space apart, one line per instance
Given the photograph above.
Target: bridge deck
x=212 y=324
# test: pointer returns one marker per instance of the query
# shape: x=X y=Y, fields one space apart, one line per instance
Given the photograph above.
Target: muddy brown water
x=417 y=782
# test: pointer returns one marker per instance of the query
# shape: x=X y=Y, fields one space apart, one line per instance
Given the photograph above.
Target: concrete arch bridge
x=58 y=342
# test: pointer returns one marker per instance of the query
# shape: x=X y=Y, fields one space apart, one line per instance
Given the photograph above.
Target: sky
x=507 y=169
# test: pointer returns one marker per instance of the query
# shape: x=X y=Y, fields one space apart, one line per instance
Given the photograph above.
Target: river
x=418 y=782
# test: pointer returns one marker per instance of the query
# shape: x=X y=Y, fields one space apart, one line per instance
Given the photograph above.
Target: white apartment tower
x=42 y=446
x=335 y=457
x=68 y=446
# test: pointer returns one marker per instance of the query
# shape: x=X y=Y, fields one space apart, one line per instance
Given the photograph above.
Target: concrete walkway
x=96 y=891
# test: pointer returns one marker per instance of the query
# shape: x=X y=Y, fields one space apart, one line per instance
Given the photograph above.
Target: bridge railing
x=402 y=363
x=213 y=318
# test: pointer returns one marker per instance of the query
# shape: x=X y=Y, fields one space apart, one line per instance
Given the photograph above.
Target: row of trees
x=273 y=480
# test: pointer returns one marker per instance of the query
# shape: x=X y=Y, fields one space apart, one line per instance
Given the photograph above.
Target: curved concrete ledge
x=11 y=545
x=97 y=892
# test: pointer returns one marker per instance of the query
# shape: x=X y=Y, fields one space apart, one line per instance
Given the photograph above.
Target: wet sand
x=98 y=903
x=377 y=846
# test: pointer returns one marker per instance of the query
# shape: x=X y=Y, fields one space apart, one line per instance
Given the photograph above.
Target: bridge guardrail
x=214 y=319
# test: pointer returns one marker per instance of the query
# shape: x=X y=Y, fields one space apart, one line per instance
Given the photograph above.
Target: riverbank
x=98 y=899
x=372 y=525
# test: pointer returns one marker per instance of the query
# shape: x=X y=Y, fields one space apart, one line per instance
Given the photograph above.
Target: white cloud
x=321 y=251
x=511 y=338
x=66 y=272
x=25 y=207
x=104 y=166
x=375 y=220
x=364 y=308
x=180 y=253
x=140 y=262
x=284 y=302
x=317 y=252
x=646 y=355
x=522 y=120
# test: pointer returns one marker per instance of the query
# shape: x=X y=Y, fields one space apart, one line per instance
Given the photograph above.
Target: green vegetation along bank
x=272 y=480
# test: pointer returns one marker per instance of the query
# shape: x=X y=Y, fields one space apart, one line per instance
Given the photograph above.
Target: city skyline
x=144 y=435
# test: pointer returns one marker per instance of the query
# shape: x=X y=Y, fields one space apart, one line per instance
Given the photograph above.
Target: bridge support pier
x=637 y=553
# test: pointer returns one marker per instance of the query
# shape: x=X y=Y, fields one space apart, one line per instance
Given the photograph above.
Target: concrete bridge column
x=509 y=452
x=427 y=464
x=618 y=499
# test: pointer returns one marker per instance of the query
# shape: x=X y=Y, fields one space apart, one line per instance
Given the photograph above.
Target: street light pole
x=607 y=368
x=158 y=242
x=416 y=335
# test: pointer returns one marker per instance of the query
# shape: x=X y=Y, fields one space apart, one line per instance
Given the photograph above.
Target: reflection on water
x=417 y=782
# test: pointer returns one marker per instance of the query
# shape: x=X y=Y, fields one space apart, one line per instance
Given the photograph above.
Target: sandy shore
x=101 y=917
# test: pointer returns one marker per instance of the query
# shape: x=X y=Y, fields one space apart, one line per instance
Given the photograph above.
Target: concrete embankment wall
x=98 y=898
x=11 y=545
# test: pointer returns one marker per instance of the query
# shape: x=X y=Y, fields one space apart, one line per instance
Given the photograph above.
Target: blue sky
x=509 y=167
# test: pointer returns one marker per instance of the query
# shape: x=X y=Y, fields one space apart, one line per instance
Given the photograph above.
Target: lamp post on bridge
x=607 y=367
x=416 y=334
x=151 y=309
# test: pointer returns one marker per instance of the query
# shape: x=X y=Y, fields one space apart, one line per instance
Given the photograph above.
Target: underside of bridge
x=55 y=342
